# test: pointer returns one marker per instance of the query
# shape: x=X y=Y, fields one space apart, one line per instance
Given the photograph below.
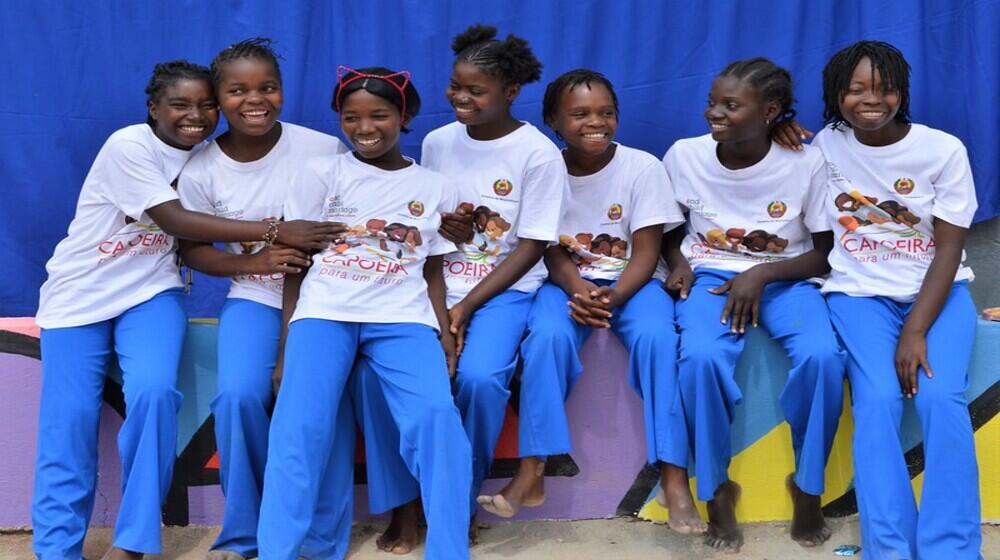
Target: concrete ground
x=617 y=539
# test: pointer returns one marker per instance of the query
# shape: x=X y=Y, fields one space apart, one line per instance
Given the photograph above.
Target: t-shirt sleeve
x=545 y=189
x=428 y=155
x=306 y=194
x=193 y=193
x=134 y=182
x=814 y=208
x=449 y=202
x=653 y=199
x=955 y=191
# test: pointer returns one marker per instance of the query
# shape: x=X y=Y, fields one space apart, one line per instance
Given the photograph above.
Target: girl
x=114 y=286
x=756 y=234
x=512 y=176
x=901 y=199
x=376 y=297
x=608 y=248
x=243 y=175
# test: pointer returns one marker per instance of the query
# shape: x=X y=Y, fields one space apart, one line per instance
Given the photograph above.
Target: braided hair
x=257 y=47
x=511 y=60
x=569 y=80
x=770 y=81
x=370 y=79
x=166 y=74
x=885 y=58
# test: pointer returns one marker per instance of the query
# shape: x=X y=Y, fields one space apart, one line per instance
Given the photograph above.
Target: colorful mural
x=604 y=476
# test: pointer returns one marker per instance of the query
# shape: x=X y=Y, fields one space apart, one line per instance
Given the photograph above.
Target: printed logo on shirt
x=615 y=212
x=416 y=208
x=502 y=187
x=777 y=209
x=135 y=239
x=602 y=252
x=488 y=231
x=335 y=208
x=903 y=185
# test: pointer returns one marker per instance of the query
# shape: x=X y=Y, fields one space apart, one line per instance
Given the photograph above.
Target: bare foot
x=809 y=529
x=676 y=494
x=403 y=532
x=224 y=555
x=723 y=531
x=120 y=554
x=527 y=489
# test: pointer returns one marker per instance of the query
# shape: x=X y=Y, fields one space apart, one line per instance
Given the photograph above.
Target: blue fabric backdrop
x=74 y=71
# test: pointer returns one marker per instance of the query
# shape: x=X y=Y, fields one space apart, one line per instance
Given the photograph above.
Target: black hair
x=885 y=58
x=378 y=86
x=511 y=60
x=166 y=74
x=770 y=81
x=257 y=47
x=569 y=80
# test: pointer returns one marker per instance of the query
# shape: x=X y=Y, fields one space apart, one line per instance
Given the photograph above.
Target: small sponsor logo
x=904 y=185
x=615 y=211
x=502 y=187
x=416 y=208
x=777 y=209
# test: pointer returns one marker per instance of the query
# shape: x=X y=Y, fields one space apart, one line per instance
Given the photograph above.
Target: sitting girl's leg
x=706 y=368
x=551 y=368
x=318 y=357
x=248 y=350
x=149 y=339
x=74 y=367
x=795 y=314
x=411 y=368
x=869 y=328
x=948 y=525
x=646 y=327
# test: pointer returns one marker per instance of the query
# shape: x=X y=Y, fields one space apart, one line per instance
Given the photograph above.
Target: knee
x=936 y=399
x=152 y=394
x=695 y=355
x=653 y=337
x=884 y=401
x=241 y=396
x=548 y=334
x=476 y=379
x=822 y=353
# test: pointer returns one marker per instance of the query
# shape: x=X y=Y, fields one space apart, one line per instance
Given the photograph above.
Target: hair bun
x=475 y=34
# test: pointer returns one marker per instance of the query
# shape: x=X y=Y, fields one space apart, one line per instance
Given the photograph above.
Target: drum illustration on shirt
x=757 y=243
x=602 y=252
x=861 y=210
x=391 y=242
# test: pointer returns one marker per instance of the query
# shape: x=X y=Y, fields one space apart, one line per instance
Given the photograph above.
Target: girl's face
x=735 y=113
x=865 y=105
x=185 y=114
x=477 y=97
x=586 y=118
x=370 y=123
x=250 y=95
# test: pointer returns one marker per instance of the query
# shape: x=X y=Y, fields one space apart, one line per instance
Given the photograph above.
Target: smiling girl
x=243 y=175
x=376 y=297
x=114 y=291
x=756 y=233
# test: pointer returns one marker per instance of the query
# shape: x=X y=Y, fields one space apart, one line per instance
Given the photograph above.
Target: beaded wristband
x=271 y=235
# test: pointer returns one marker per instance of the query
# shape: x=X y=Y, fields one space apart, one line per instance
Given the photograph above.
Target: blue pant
x=794 y=314
x=645 y=325
x=147 y=340
x=248 y=349
x=481 y=393
x=410 y=365
x=948 y=523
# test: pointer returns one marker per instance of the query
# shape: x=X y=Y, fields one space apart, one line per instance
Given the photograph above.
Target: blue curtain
x=74 y=71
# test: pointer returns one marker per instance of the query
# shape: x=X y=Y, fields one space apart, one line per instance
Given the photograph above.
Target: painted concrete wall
x=603 y=476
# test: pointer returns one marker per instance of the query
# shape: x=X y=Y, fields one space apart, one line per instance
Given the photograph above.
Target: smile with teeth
x=595 y=135
x=368 y=142
x=191 y=129
x=871 y=114
x=463 y=110
x=718 y=126
x=255 y=114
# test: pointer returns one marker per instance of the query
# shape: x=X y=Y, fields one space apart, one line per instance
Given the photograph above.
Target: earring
x=559 y=136
x=768 y=122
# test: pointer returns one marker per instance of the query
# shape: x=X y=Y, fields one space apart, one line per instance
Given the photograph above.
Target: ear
x=771 y=111
x=511 y=92
x=153 y=112
x=407 y=119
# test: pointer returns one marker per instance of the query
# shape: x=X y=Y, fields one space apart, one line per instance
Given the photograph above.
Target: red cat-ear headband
x=353 y=75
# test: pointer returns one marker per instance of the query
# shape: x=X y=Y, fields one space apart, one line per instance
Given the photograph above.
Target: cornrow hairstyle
x=570 y=80
x=166 y=74
x=257 y=47
x=770 y=81
x=885 y=58
x=511 y=60
x=394 y=87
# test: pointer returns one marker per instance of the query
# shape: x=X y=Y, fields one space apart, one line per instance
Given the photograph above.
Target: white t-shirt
x=606 y=208
x=882 y=202
x=375 y=273
x=216 y=184
x=114 y=256
x=516 y=185
x=739 y=218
